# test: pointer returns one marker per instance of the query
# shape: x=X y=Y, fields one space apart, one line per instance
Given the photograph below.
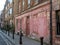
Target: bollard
x=20 y=38
x=41 y=38
x=13 y=34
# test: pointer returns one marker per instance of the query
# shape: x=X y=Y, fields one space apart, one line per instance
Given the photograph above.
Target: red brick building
x=34 y=19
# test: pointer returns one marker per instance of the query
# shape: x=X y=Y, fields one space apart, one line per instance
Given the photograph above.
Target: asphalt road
x=2 y=42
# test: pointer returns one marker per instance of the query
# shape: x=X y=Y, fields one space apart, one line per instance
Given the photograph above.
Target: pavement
x=6 y=39
x=25 y=40
x=2 y=42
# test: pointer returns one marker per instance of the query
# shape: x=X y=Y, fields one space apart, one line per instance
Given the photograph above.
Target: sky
x=2 y=2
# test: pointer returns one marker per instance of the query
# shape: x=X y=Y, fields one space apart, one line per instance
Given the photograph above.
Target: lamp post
x=51 y=39
x=12 y=19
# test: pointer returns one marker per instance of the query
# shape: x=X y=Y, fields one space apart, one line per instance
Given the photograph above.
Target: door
x=27 y=26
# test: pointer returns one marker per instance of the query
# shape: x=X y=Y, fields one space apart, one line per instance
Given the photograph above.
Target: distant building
x=11 y=9
x=8 y=11
x=2 y=17
x=0 y=21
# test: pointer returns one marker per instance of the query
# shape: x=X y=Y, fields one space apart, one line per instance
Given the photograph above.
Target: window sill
x=58 y=36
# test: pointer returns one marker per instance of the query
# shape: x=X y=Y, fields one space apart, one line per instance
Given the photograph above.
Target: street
x=2 y=42
x=30 y=22
x=25 y=40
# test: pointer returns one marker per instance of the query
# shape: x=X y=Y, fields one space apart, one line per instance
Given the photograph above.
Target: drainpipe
x=13 y=18
x=51 y=39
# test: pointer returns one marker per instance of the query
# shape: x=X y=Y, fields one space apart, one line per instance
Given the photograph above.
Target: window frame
x=23 y=2
x=29 y=3
x=36 y=2
x=10 y=11
x=57 y=21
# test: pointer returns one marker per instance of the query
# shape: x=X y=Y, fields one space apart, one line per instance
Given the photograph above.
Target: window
x=29 y=1
x=19 y=7
x=40 y=1
x=23 y=4
x=6 y=7
x=17 y=23
x=10 y=10
x=8 y=13
x=10 y=1
x=58 y=22
x=11 y=22
x=36 y=2
x=6 y=16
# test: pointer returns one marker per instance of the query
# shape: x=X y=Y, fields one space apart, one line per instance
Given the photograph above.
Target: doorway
x=27 y=26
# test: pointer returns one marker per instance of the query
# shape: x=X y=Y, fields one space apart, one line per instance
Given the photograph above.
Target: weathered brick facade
x=36 y=22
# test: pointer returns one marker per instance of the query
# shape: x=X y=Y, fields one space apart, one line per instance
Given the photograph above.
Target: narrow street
x=29 y=22
x=2 y=42
x=15 y=41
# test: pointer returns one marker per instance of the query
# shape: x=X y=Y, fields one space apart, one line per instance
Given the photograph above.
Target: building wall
x=15 y=7
x=7 y=14
x=56 y=38
x=36 y=23
x=56 y=6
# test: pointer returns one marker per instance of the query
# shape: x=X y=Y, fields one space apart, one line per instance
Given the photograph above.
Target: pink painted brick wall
x=24 y=24
x=38 y=23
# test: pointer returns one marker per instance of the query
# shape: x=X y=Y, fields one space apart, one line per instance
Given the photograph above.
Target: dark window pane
x=58 y=22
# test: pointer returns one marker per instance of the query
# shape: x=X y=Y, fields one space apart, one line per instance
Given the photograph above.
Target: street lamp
x=13 y=18
x=51 y=39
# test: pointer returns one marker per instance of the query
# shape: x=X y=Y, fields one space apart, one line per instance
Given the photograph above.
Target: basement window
x=58 y=21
